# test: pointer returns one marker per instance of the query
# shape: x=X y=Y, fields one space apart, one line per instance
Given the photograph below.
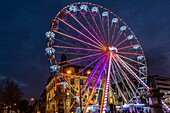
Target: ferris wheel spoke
x=121 y=79
x=119 y=90
x=95 y=84
x=116 y=79
x=80 y=58
x=96 y=25
x=77 y=48
x=91 y=76
x=126 y=47
x=114 y=31
x=74 y=38
x=94 y=20
x=90 y=64
x=119 y=35
x=80 y=32
x=121 y=42
x=126 y=76
x=129 y=53
x=70 y=44
x=116 y=83
x=131 y=85
x=102 y=27
x=129 y=82
x=70 y=53
x=84 y=27
x=64 y=42
x=108 y=30
x=131 y=60
x=80 y=61
x=131 y=71
x=133 y=67
x=99 y=39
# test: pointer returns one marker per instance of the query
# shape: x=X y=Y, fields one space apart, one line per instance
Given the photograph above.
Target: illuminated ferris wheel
x=96 y=38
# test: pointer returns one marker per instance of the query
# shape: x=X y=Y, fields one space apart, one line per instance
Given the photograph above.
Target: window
x=72 y=81
x=81 y=81
x=60 y=102
x=164 y=84
x=72 y=91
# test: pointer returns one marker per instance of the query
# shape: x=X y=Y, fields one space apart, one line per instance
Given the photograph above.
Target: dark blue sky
x=24 y=22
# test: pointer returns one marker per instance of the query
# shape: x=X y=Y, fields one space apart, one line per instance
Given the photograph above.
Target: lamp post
x=67 y=102
x=81 y=111
x=32 y=100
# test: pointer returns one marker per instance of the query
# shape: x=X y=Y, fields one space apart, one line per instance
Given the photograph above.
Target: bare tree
x=10 y=92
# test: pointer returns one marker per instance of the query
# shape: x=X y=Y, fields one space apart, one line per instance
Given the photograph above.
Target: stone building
x=59 y=97
x=50 y=94
x=43 y=102
x=161 y=83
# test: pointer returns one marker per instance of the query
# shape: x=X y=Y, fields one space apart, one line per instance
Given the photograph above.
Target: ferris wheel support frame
x=104 y=101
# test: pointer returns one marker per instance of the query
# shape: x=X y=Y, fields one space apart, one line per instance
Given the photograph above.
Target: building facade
x=50 y=94
x=62 y=91
x=43 y=102
x=163 y=84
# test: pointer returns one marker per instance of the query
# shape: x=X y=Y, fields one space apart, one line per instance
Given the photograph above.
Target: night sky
x=24 y=23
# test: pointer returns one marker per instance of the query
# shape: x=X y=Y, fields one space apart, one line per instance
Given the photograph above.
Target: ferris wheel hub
x=112 y=48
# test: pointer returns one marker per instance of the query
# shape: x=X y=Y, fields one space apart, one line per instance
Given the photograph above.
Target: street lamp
x=32 y=99
x=68 y=71
x=81 y=110
x=88 y=72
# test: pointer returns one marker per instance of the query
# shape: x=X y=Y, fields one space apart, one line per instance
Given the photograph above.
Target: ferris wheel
x=96 y=38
